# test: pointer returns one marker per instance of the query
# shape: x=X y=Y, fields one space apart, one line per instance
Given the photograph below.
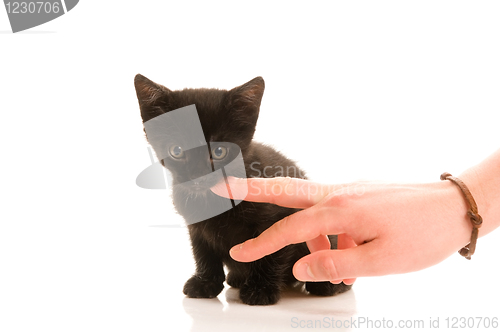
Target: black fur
x=229 y=116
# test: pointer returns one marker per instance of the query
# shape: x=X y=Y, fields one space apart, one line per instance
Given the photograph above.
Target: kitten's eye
x=219 y=153
x=176 y=151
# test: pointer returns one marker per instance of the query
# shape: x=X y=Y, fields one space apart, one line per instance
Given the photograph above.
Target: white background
x=378 y=90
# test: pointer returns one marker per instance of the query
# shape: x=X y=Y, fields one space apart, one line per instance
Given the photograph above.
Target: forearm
x=483 y=180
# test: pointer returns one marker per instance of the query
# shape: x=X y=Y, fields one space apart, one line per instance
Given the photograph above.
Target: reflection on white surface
x=294 y=309
x=454 y=288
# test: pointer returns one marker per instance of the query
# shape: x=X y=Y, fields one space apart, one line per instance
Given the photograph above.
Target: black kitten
x=226 y=117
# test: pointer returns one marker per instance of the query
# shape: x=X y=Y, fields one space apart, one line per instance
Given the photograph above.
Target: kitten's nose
x=199 y=181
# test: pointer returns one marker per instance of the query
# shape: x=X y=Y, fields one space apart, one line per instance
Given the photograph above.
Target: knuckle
x=281 y=228
x=282 y=225
x=282 y=182
x=327 y=269
x=288 y=186
x=339 y=199
x=278 y=187
x=346 y=195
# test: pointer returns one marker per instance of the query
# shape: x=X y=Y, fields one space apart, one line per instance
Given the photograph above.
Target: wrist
x=483 y=181
x=456 y=207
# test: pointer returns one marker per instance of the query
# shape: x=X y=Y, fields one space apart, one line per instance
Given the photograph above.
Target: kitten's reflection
x=296 y=308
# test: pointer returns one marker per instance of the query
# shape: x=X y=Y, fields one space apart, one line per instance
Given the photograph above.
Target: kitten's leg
x=326 y=288
x=237 y=273
x=265 y=280
x=235 y=280
x=208 y=280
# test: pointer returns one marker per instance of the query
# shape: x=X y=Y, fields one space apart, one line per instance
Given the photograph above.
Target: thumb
x=327 y=265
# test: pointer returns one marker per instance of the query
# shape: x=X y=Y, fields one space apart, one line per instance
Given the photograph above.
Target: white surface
x=375 y=90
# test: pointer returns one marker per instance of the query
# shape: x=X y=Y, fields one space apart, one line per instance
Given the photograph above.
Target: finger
x=337 y=265
x=295 y=228
x=322 y=242
x=344 y=241
x=345 y=281
x=349 y=281
x=283 y=191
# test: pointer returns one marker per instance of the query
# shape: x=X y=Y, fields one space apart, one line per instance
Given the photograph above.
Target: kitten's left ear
x=246 y=98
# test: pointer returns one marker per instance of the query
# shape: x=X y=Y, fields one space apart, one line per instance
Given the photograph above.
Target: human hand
x=383 y=228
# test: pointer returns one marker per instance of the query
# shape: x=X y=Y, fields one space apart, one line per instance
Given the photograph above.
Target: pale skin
x=383 y=228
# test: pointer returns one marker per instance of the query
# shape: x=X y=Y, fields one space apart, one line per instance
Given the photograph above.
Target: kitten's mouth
x=198 y=188
x=201 y=184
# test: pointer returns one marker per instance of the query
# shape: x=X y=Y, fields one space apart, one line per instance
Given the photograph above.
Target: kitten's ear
x=245 y=99
x=152 y=97
x=250 y=93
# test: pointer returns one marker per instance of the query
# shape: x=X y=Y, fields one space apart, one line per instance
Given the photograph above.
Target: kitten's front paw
x=255 y=295
x=326 y=288
x=202 y=288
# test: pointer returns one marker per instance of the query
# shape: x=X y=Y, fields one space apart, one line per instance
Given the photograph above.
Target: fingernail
x=220 y=188
x=231 y=187
x=235 y=249
x=304 y=272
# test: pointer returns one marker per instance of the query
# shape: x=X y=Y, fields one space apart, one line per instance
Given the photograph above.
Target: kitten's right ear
x=153 y=97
